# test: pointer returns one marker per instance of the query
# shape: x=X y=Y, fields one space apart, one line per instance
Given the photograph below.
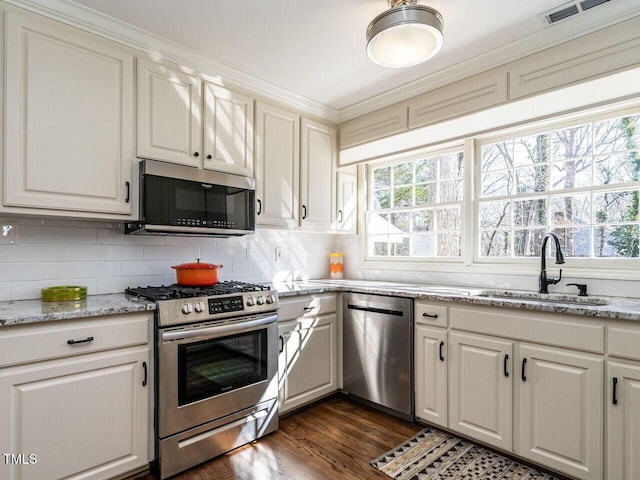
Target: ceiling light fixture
x=407 y=34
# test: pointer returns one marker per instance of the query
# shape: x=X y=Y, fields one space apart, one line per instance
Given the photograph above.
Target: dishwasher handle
x=383 y=311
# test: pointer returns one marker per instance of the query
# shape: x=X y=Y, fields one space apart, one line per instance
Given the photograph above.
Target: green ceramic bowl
x=64 y=294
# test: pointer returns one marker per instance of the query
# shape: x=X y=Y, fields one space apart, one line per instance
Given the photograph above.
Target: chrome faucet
x=545 y=281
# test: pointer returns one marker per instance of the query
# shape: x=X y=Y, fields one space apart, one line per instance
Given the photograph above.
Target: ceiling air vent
x=587 y=4
x=569 y=10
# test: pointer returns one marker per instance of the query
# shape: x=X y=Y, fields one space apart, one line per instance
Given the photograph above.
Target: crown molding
x=160 y=48
x=552 y=35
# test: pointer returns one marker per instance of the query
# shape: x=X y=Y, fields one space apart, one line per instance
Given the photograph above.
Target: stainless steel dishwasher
x=378 y=351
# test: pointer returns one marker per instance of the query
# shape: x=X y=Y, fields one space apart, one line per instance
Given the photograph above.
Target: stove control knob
x=199 y=307
x=250 y=302
x=260 y=300
x=269 y=299
x=187 y=308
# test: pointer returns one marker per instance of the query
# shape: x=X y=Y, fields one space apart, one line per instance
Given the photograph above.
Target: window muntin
x=415 y=207
x=581 y=182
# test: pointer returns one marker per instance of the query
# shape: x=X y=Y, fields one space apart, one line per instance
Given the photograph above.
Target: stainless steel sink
x=463 y=291
x=557 y=298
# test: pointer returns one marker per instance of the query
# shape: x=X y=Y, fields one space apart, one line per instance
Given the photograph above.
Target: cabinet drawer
x=306 y=306
x=432 y=315
x=541 y=327
x=623 y=342
x=29 y=343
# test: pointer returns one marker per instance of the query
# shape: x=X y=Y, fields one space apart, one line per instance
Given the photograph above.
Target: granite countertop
x=616 y=307
x=35 y=311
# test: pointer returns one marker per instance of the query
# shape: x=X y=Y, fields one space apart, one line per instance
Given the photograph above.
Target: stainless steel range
x=216 y=369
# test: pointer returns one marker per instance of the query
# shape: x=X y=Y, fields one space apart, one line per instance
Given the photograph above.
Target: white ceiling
x=316 y=48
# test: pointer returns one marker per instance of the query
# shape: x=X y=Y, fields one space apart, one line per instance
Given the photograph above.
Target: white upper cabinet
x=346 y=203
x=277 y=165
x=228 y=130
x=69 y=114
x=317 y=164
x=169 y=118
x=176 y=125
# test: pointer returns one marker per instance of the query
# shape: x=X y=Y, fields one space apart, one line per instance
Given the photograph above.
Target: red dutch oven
x=197 y=274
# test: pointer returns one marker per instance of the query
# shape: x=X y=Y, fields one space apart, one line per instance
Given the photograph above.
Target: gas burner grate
x=170 y=292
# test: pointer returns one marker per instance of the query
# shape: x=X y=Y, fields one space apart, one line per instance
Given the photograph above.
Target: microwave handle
x=217 y=331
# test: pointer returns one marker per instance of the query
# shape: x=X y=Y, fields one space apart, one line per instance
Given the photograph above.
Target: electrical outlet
x=8 y=233
x=279 y=253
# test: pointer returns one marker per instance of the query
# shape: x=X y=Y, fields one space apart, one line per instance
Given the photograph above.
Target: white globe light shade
x=404 y=36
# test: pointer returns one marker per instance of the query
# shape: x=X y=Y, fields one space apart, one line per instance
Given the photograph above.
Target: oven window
x=220 y=365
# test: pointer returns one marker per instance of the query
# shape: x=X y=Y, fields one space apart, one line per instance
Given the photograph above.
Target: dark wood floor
x=334 y=439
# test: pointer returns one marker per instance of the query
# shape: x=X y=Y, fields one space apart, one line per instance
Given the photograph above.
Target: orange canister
x=336 y=267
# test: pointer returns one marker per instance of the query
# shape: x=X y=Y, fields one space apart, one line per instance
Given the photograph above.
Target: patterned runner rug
x=433 y=454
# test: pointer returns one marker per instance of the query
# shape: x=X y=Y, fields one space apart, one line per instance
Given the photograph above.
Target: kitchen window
x=577 y=177
x=415 y=207
x=580 y=182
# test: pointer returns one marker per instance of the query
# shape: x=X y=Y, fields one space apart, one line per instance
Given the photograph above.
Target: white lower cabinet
x=547 y=410
x=560 y=410
x=481 y=388
x=542 y=403
x=74 y=398
x=431 y=374
x=75 y=418
x=623 y=421
x=308 y=361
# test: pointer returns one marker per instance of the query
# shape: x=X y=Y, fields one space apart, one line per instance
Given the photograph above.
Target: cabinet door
x=169 y=124
x=308 y=364
x=480 y=395
x=317 y=164
x=69 y=113
x=623 y=422
x=277 y=165
x=228 y=130
x=346 y=216
x=560 y=410
x=84 y=416
x=431 y=375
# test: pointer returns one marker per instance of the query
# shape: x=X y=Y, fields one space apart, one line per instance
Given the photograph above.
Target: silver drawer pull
x=75 y=342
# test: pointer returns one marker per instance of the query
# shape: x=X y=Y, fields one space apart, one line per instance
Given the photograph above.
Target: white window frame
x=417 y=155
x=577 y=262
x=472 y=263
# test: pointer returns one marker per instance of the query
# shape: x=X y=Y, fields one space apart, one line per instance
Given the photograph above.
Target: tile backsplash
x=355 y=269
x=98 y=255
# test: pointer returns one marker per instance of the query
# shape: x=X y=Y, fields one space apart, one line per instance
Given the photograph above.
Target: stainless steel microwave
x=181 y=200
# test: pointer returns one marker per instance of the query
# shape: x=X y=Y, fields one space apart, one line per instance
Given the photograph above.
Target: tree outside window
x=579 y=182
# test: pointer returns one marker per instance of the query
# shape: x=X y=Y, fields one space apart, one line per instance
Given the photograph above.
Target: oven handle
x=218 y=330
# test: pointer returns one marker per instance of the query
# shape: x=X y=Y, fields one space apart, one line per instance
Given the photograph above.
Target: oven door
x=208 y=371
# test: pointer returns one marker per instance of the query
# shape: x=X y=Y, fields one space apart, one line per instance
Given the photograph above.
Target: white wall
x=98 y=255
